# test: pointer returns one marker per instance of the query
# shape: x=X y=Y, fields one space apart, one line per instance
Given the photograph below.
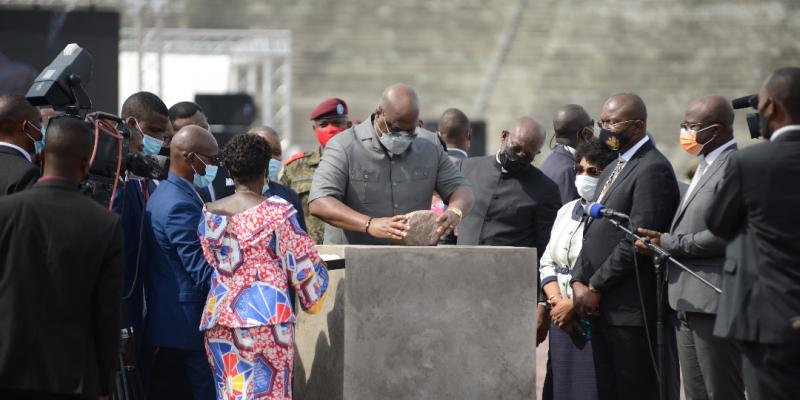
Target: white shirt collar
x=783 y=130
x=571 y=150
x=497 y=157
x=710 y=157
x=19 y=149
x=626 y=156
x=459 y=151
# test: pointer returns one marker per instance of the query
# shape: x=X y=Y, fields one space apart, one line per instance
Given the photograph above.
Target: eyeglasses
x=213 y=160
x=591 y=171
x=394 y=128
x=693 y=127
x=615 y=126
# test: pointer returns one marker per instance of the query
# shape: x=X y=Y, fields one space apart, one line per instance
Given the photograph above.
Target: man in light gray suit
x=711 y=366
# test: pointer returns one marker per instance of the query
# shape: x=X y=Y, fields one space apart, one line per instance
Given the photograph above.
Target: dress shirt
x=459 y=151
x=782 y=130
x=19 y=149
x=626 y=156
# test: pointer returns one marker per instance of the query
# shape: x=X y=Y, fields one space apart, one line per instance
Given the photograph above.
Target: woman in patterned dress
x=258 y=252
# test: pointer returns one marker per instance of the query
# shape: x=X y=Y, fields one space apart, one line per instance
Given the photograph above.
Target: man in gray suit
x=711 y=366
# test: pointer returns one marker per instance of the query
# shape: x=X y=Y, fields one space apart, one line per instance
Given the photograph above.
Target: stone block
x=445 y=322
x=319 y=341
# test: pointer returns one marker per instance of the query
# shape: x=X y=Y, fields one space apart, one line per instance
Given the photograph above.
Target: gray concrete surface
x=440 y=323
x=319 y=342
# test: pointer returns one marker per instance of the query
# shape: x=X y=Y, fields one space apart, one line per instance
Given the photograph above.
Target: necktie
x=701 y=169
x=611 y=178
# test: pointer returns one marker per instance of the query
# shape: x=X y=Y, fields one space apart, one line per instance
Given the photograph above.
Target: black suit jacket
x=647 y=190
x=60 y=283
x=509 y=210
x=560 y=167
x=756 y=208
x=16 y=172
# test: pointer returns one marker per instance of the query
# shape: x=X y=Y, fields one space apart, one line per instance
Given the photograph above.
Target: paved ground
x=541 y=368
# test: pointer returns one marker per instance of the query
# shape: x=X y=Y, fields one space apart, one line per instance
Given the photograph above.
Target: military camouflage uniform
x=297 y=175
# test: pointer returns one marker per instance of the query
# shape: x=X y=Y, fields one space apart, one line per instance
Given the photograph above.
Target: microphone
x=749 y=101
x=599 y=211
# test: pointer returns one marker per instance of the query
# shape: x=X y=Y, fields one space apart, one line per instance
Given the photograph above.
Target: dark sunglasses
x=592 y=171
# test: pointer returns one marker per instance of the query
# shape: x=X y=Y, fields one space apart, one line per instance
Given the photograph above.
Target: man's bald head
x=712 y=109
x=526 y=136
x=783 y=88
x=194 y=139
x=273 y=139
x=14 y=111
x=711 y=117
x=400 y=108
x=454 y=129
x=625 y=114
x=626 y=105
x=67 y=149
x=570 y=125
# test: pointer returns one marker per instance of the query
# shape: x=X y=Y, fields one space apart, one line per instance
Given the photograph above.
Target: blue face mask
x=274 y=168
x=202 y=181
x=38 y=145
x=152 y=146
x=265 y=189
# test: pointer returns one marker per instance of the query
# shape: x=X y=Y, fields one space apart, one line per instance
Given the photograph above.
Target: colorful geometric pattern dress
x=248 y=318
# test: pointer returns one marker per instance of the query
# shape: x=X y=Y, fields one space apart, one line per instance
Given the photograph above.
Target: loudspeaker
x=477 y=147
x=227 y=109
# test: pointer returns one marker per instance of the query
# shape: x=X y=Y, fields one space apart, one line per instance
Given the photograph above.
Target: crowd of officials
x=203 y=268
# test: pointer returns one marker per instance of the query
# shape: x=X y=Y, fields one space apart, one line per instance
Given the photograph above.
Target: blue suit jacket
x=129 y=202
x=178 y=275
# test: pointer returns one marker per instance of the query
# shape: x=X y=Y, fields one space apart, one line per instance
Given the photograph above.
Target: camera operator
x=60 y=300
x=21 y=135
x=755 y=211
x=147 y=118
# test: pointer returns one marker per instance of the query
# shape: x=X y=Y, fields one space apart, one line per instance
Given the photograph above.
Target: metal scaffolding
x=261 y=64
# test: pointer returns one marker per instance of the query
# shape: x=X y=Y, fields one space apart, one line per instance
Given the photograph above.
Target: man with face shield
x=330 y=118
x=374 y=173
x=711 y=366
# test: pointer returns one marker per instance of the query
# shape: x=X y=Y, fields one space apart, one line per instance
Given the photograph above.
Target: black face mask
x=511 y=162
x=614 y=141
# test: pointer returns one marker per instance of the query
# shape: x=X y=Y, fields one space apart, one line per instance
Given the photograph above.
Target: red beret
x=330 y=108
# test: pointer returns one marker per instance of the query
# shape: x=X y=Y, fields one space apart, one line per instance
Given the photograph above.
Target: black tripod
x=660 y=259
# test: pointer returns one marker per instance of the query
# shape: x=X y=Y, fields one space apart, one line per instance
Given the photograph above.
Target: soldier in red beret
x=330 y=117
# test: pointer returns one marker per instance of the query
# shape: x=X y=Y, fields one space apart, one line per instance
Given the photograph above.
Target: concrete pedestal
x=423 y=323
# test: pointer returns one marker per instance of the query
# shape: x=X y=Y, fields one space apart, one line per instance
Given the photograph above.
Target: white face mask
x=586 y=186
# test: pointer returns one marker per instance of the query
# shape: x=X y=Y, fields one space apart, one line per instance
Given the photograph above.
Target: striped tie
x=611 y=179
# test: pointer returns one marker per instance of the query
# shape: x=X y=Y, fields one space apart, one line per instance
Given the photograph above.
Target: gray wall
x=669 y=51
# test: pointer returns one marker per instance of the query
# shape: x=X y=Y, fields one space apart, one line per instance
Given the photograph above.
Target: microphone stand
x=660 y=258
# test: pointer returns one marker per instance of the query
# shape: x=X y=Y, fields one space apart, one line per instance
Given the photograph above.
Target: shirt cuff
x=548 y=279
